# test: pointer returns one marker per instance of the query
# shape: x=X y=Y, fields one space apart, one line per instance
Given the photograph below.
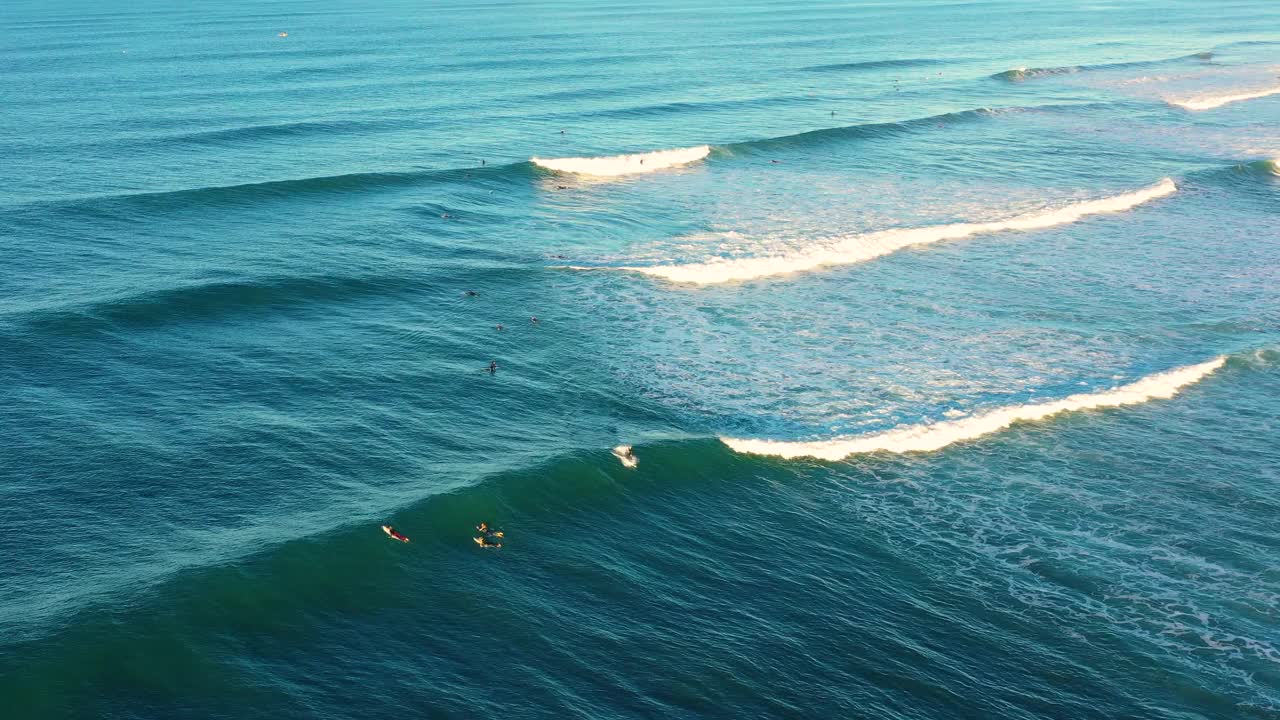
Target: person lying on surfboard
x=484 y=529
x=483 y=542
x=394 y=534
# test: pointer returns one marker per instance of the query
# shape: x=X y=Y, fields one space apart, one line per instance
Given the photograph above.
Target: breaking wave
x=863 y=247
x=926 y=438
x=1023 y=73
x=1208 y=102
x=616 y=165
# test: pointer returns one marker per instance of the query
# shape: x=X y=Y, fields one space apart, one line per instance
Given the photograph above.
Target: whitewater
x=1210 y=102
x=926 y=438
x=628 y=164
x=863 y=247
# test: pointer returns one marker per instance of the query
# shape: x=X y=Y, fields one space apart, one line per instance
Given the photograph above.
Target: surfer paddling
x=394 y=534
x=488 y=537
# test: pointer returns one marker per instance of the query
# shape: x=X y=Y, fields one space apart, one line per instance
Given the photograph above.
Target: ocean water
x=947 y=335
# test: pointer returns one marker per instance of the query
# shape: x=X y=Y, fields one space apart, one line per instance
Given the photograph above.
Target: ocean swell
x=863 y=247
x=926 y=438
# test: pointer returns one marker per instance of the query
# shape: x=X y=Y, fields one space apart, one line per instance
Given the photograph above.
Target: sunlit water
x=1010 y=272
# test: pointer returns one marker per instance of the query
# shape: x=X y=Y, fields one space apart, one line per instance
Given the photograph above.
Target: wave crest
x=860 y=248
x=632 y=164
x=926 y=438
x=1020 y=74
x=1024 y=73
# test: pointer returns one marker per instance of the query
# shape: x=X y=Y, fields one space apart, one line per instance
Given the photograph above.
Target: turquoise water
x=896 y=236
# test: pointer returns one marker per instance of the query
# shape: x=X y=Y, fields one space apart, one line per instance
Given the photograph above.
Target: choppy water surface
x=946 y=335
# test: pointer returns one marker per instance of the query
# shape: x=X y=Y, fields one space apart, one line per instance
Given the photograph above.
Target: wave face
x=860 y=248
x=927 y=438
x=1209 y=102
x=618 y=165
x=874 y=65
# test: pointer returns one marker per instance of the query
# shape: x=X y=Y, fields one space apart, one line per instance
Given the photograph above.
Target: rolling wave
x=1208 y=102
x=617 y=165
x=275 y=189
x=1021 y=74
x=604 y=166
x=863 y=130
x=860 y=248
x=874 y=65
x=205 y=301
x=927 y=438
x=1259 y=168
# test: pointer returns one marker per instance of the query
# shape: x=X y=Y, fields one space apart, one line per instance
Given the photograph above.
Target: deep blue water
x=235 y=338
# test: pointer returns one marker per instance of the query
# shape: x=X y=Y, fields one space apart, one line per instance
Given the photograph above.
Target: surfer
x=394 y=534
x=471 y=293
x=534 y=320
x=626 y=456
x=493 y=367
x=499 y=327
x=488 y=532
x=484 y=542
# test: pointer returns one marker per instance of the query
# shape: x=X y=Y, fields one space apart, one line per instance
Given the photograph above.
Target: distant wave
x=1023 y=73
x=204 y=301
x=246 y=193
x=1208 y=102
x=859 y=248
x=605 y=166
x=616 y=165
x=1020 y=74
x=874 y=65
x=926 y=438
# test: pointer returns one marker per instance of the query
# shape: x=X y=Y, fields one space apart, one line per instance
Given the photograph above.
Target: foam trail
x=1210 y=102
x=859 y=248
x=615 y=165
x=926 y=438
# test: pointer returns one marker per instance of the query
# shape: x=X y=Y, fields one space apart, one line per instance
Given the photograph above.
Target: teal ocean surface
x=946 y=335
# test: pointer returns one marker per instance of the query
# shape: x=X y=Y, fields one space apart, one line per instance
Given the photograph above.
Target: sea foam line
x=860 y=248
x=615 y=165
x=926 y=438
x=1213 y=101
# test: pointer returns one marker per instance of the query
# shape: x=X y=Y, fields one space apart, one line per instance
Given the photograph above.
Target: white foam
x=615 y=165
x=1212 y=101
x=926 y=438
x=860 y=248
